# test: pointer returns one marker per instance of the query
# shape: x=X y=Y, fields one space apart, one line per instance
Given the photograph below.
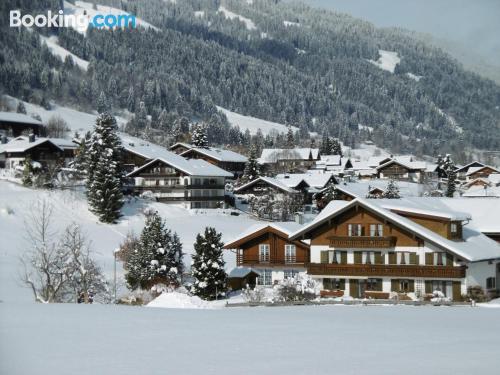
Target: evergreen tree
x=208 y=265
x=79 y=164
x=290 y=141
x=103 y=170
x=27 y=179
x=326 y=146
x=21 y=108
x=326 y=196
x=391 y=191
x=252 y=170
x=451 y=186
x=199 y=136
x=102 y=103
x=336 y=149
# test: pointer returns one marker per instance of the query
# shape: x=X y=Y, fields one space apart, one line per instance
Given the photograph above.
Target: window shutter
x=394 y=285
x=378 y=286
x=411 y=286
x=457 y=291
x=449 y=260
x=429 y=260
x=428 y=286
x=342 y=284
x=343 y=257
x=379 y=258
x=392 y=258
x=358 y=257
x=327 y=284
x=413 y=258
x=353 y=288
x=324 y=256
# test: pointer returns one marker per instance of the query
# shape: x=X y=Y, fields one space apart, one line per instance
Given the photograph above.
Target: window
x=376 y=230
x=491 y=283
x=354 y=230
x=333 y=284
x=290 y=274
x=368 y=257
x=404 y=286
x=439 y=259
x=290 y=254
x=454 y=228
x=265 y=277
x=373 y=284
x=403 y=258
x=264 y=253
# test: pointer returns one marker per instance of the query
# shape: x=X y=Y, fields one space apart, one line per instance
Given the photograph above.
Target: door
x=354 y=288
x=362 y=288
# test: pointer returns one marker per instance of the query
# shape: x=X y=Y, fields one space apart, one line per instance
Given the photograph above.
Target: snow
x=253 y=124
x=94 y=339
x=249 y=24
x=176 y=300
x=199 y=14
x=81 y=7
x=57 y=50
x=414 y=76
x=493 y=304
x=387 y=60
x=290 y=23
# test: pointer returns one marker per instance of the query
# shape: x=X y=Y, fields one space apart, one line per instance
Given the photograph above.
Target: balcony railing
x=240 y=260
x=391 y=270
x=362 y=242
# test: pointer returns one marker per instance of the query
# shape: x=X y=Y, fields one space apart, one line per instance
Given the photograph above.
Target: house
x=462 y=171
x=46 y=151
x=170 y=178
x=15 y=124
x=402 y=170
x=483 y=187
x=180 y=147
x=266 y=249
x=307 y=183
x=480 y=172
x=335 y=164
x=289 y=160
x=376 y=248
x=264 y=185
x=225 y=159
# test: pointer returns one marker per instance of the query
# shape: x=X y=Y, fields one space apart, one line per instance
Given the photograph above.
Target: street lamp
x=115 y=252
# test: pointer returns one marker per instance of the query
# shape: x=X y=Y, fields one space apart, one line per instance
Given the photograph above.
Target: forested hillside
x=316 y=70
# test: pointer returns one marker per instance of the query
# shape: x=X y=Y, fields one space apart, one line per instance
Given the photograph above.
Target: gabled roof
x=272 y=155
x=241 y=272
x=475 y=246
x=218 y=154
x=181 y=144
x=22 y=144
x=473 y=170
x=408 y=165
x=283 y=229
x=315 y=180
x=20 y=118
x=268 y=180
x=467 y=166
x=361 y=188
x=190 y=167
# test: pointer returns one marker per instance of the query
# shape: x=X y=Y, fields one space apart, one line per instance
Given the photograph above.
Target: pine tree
x=290 y=141
x=336 y=149
x=103 y=170
x=208 y=265
x=199 y=136
x=252 y=170
x=21 y=108
x=391 y=191
x=27 y=179
x=156 y=257
x=326 y=147
x=451 y=186
x=79 y=164
x=102 y=103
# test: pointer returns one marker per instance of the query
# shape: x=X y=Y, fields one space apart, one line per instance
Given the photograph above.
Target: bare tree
x=57 y=127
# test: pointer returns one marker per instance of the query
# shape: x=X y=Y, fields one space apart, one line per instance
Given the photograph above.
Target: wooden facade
x=236 y=168
x=484 y=172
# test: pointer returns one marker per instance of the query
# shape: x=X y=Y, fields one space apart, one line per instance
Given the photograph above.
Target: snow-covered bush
x=298 y=288
x=476 y=293
x=439 y=297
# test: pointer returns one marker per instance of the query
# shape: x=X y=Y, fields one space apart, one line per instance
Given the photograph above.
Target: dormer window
x=454 y=228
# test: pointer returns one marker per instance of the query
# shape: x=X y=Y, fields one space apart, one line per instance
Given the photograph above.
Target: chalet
x=46 y=151
x=264 y=185
x=402 y=171
x=378 y=248
x=307 y=183
x=225 y=159
x=15 y=124
x=462 y=171
x=480 y=172
x=289 y=160
x=482 y=187
x=266 y=249
x=170 y=178
x=180 y=147
x=335 y=164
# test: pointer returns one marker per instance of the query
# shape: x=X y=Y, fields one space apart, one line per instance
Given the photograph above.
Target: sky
x=471 y=26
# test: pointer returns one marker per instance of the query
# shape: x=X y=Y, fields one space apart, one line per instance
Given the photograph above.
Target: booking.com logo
x=60 y=19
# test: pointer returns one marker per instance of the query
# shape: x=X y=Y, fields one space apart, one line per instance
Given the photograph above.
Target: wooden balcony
x=383 y=270
x=362 y=242
x=253 y=262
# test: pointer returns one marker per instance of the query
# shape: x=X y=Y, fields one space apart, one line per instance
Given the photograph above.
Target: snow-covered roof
x=467 y=166
x=182 y=144
x=22 y=144
x=272 y=155
x=331 y=159
x=240 y=272
x=476 y=246
x=316 y=180
x=477 y=169
x=285 y=227
x=406 y=164
x=482 y=192
x=268 y=180
x=20 y=118
x=422 y=206
x=361 y=188
x=218 y=154
x=494 y=178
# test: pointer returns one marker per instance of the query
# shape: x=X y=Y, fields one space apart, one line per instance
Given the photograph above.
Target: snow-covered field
x=387 y=60
x=252 y=123
x=16 y=202
x=57 y=50
x=249 y=24
x=96 y=339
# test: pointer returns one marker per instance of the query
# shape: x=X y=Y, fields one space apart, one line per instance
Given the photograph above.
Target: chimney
x=31 y=138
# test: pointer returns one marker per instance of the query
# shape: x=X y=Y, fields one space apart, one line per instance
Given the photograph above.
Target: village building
x=15 y=124
x=225 y=159
x=266 y=250
x=377 y=248
x=180 y=147
x=288 y=160
x=170 y=178
x=480 y=172
x=402 y=171
x=308 y=184
x=335 y=164
x=461 y=171
x=265 y=185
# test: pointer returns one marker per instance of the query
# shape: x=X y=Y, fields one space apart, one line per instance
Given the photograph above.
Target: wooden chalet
x=180 y=147
x=15 y=124
x=379 y=248
x=401 y=171
x=462 y=171
x=485 y=171
x=267 y=249
x=289 y=160
x=225 y=159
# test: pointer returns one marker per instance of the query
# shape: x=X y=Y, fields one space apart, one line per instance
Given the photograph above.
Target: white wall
x=478 y=272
